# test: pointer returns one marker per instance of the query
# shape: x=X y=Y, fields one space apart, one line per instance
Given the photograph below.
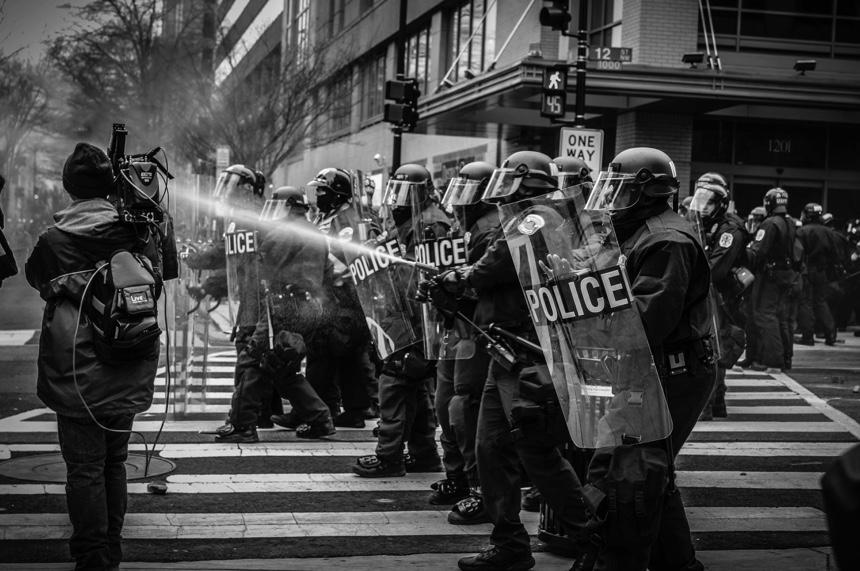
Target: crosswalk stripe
x=762 y=396
x=752 y=383
x=722 y=426
x=326 y=483
x=362 y=524
x=351 y=449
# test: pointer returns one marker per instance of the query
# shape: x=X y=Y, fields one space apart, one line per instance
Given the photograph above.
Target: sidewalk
x=820 y=559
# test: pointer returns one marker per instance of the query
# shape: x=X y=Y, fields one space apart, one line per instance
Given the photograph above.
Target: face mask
x=325 y=202
x=401 y=215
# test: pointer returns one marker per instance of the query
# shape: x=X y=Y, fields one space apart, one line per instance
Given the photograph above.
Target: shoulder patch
x=759 y=236
x=726 y=240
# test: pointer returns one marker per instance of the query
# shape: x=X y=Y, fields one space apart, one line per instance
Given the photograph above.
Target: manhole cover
x=51 y=468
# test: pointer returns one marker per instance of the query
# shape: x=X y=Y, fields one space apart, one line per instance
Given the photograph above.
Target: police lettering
x=442 y=253
x=239 y=243
x=368 y=264
x=580 y=297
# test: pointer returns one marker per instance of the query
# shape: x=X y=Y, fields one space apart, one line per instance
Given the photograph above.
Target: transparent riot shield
x=441 y=336
x=573 y=276
x=699 y=208
x=241 y=249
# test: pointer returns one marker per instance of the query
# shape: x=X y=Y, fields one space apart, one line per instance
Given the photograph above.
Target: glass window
x=605 y=27
x=476 y=17
x=336 y=17
x=844 y=148
x=373 y=87
x=341 y=104
x=798 y=6
x=780 y=145
x=848 y=8
x=778 y=26
x=712 y=141
x=418 y=57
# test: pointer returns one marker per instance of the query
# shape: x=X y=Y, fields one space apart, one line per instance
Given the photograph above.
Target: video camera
x=138 y=189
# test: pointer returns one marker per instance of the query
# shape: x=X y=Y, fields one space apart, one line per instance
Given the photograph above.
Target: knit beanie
x=87 y=172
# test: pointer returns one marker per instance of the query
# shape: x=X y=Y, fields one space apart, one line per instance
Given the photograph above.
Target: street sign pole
x=581 y=58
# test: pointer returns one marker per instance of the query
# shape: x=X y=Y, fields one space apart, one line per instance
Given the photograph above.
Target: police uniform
x=770 y=254
x=726 y=250
x=459 y=383
x=405 y=411
x=820 y=251
x=294 y=266
x=346 y=372
x=670 y=279
x=499 y=453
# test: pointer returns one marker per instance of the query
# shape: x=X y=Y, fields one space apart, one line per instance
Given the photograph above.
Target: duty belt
x=677 y=361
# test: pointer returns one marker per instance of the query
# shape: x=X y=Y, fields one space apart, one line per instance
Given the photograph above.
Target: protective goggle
x=275 y=209
x=462 y=192
x=399 y=193
x=614 y=191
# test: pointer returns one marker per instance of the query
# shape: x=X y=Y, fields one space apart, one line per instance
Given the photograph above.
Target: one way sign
x=585 y=144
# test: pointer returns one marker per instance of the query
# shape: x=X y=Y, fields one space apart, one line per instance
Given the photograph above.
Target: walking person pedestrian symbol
x=555 y=80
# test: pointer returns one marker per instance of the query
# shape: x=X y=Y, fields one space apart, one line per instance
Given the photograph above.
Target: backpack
x=121 y=305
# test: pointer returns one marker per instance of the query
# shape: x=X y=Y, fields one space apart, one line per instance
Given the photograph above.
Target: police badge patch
x=759 y=236
x=726 y=240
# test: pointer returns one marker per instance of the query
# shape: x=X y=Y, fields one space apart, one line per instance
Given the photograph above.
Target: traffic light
x=403 y=112
x=558 y=16
x=554 y=97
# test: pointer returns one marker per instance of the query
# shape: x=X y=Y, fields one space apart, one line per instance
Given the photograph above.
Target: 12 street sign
x=624 y=55
x=585 y=144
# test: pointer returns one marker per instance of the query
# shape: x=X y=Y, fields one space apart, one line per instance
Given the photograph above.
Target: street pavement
x=750 y=482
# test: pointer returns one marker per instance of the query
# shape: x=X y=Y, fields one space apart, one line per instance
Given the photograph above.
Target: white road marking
x=845 y=421
x=765 y=449
x=365 y=524
x=753 y=383
x=762 y=396
x=750 y=480
x=16 y=337
x=802 y=427
x=772 y=410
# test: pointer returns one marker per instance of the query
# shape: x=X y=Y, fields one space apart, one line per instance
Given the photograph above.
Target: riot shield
x=243 y=276
x=580 y=299
x=698 y=209
x=441 y=337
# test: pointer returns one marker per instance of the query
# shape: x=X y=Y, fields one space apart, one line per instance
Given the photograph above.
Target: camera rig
x=138 y=189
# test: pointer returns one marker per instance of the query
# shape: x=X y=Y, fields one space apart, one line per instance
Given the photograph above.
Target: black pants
x=813 y=306
x=686 y=395
x=271 y=404
x=344 y=375
x=768 y=301
x=499 y=460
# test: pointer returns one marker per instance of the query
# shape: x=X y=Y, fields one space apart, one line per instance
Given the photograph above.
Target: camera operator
x=86 y=392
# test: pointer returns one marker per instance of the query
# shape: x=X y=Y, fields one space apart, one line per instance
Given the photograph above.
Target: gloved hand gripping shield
x=383 y=279
x=579 y=297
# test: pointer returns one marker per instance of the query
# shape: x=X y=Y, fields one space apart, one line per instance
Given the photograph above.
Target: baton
x=493 y=328
x=269 y=316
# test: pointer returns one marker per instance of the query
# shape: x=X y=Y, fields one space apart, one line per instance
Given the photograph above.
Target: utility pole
x=581 y=59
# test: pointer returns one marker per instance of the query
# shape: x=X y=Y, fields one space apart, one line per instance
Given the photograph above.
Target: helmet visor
x=704 y=201
x=228 y=186
x=570 y=179
x=462 y=192
x=398 y=193
x=614 y=191
x=275 y=209
x=504 y=182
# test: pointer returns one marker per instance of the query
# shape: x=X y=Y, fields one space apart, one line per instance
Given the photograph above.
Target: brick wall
x=670 y=132
x=660 y=31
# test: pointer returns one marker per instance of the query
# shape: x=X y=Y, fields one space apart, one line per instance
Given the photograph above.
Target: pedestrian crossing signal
x=553 y=105
x=403 y=112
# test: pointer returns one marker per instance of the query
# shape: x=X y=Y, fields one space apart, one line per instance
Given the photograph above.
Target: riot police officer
x=670 y=278
x=406 y=414
x=771 y=256
x=725 y=243
x=293 y=264
x=755 y=218
x=349 y=366
x=501 y=302
x=460 y=381
x=820 y=249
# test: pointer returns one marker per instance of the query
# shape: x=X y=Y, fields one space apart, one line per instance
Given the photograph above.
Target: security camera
x=380 y=160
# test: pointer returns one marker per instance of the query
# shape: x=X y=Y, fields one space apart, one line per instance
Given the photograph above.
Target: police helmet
x=633 y=173
x=712 y=178
x=282 y=203
x=711 y=201
x=410 y=184
x=231 y=185
x=811 y=211
x=468 y=186
x=523 y=174
x=755 y=218
x=259 y=184
x=852 y=229
x=685 y=206
x=333 y=188
x=828 y=219
x=571 y=171
x=776 y=201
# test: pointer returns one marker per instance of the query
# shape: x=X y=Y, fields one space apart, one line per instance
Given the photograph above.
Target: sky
x=27 y=23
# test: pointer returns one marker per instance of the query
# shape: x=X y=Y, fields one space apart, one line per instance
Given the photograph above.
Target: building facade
x=750 y=115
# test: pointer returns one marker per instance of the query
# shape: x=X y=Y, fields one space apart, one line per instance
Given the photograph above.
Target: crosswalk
x=749 y=481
